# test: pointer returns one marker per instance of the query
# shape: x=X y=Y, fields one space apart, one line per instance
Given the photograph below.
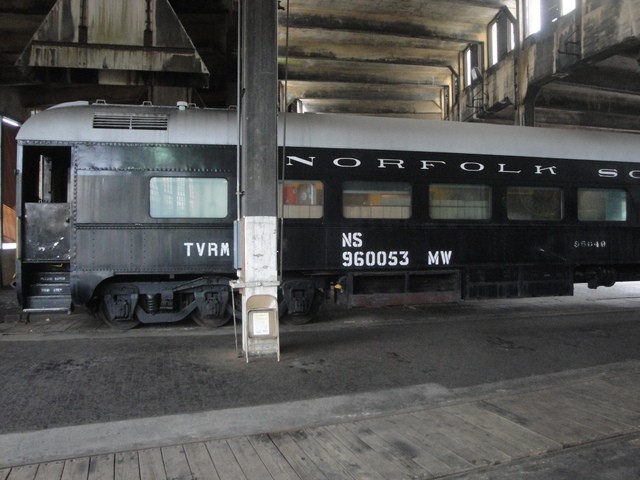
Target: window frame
x=285 y=207
x=602 y=190
x=195 y=179
x=468 y=186
x=406 y=211
x=562 y=212
x=540 y=14
x=472 y=58
x=501 y=37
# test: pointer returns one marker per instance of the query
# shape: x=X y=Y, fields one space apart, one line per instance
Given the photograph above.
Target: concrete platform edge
x=92 y=439
x=83 y=440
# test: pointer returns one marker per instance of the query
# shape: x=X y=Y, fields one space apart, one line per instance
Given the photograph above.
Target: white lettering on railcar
x=352 y=240
x=502 y=169
x=347 y=162
x=369 y=258
x=207 y=249
x=428 y=165
x=540 y=169
x=589 y=244
x=608 y=172
x=304 y=161
x=472 y=167
x=613 y=173
x=375 y=258
x=439 y=257
x=383 y=162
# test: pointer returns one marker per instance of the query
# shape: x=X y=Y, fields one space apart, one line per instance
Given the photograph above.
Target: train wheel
x=215 y=321
x=209 y=321
x=288 y=318
x=114 y=306
x=117 y=324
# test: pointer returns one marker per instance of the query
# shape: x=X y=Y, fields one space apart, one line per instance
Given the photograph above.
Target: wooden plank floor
x=424 y=443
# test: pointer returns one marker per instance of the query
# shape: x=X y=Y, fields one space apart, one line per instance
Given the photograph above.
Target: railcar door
x=42 y=270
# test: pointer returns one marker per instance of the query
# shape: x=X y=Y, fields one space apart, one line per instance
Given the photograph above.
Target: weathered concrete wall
x=115 y=22
x=575 y=42
x=116 y=36
x=607 y=23
x=595 y=30
x=500 y=81
x=497 y=91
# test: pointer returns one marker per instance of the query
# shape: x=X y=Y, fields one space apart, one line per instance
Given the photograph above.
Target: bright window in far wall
x=534 y=16
x=472 y=58
x=540 y=14
x=501 y=36
x=568 y=6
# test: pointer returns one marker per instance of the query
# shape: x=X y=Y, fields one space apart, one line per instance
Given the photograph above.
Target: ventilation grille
x=130 y=122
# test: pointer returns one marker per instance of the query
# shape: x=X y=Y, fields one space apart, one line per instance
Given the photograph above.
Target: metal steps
x=49 y=292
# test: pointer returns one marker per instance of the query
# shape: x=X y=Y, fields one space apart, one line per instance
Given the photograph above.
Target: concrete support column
x=527 y=109
x=259 y=274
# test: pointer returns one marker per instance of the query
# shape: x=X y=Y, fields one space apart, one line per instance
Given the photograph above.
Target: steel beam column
x=259 y=275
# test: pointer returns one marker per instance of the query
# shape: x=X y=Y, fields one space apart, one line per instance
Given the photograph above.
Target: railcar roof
x=81 y=122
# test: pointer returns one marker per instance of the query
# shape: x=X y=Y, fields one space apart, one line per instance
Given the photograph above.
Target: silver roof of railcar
x=81 y=122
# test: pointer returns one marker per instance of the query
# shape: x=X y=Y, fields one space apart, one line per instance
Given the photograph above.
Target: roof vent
x=130 y=122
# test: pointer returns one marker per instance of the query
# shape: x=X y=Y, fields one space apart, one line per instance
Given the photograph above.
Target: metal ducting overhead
x=114 y=42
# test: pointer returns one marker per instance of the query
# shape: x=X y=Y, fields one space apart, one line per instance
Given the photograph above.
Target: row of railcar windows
x=188 y=197
x=392 y=200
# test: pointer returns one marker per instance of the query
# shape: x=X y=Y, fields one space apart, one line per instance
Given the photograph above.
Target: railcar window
x=376 y=200
x=188 y=197
x=459 y=202
x=602 y=205
x=534 y=203
x=300 y=199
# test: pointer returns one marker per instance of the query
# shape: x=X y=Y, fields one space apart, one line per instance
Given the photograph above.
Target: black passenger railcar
x=130 y=210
